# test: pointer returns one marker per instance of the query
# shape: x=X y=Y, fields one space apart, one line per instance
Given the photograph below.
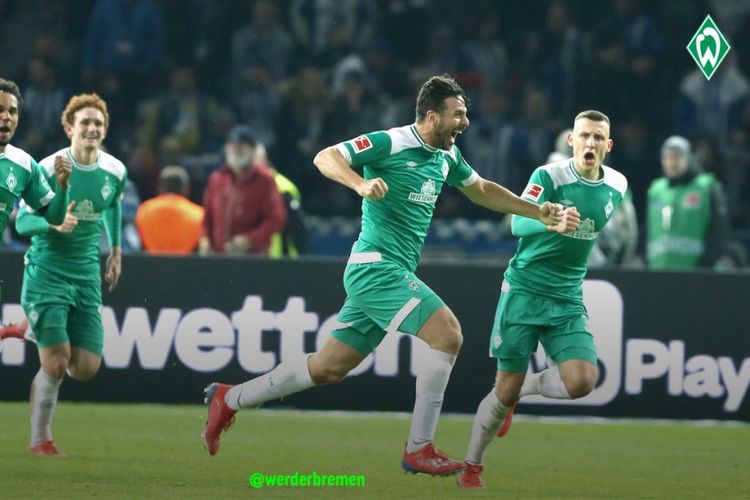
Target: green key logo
x=708 y=47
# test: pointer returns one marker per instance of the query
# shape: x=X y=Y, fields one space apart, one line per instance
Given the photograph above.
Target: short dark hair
x=593 y=115
x=11 y=88
x=433 y=93
x=174 y=179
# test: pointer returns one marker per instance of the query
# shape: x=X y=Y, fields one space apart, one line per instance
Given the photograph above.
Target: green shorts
x=523 y=320
x=60 y=311
x=382 y=297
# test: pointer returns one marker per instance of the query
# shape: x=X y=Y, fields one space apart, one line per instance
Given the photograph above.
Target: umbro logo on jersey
x=534 y=191
x=411 y=165
x=566 y=203
x=361 y=144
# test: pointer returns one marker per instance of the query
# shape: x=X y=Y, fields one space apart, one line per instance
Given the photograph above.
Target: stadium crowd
x=304 y=74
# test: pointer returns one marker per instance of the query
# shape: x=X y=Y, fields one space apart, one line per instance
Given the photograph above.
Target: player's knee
x=450 y=339
x=82 y=373
x=328 y=374
x=508 y=390
x=580 y=384
x=56 y=367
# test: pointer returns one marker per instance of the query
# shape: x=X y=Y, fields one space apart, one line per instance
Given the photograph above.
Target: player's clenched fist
x=373 y=189
x=570 y=221
x=550 y=214
x=63 y=168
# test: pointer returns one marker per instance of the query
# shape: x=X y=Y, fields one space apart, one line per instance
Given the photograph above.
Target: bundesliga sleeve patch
x=533 y=191
x=362 y=143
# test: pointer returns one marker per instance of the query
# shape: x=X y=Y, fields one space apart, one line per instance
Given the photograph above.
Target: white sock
x=287 y=378
x=487 y=422
x=44 y=390
x=548 y=383
x=431 y=383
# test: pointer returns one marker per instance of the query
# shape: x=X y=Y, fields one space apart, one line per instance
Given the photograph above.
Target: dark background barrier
x=677 y=344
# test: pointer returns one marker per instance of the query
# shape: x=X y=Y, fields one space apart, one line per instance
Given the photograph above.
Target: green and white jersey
x=21 y=177
x=551 y=264
x=94 y=188
x=396 y=226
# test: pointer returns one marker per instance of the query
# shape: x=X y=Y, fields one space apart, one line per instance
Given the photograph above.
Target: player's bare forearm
x=334 y=166
x=495 y=197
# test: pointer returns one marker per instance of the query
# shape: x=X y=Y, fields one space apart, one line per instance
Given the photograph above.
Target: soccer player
x=405 y=169
x=21 y=177
x=61 y=292
x=541 y=298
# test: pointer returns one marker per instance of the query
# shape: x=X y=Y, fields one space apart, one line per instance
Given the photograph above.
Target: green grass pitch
x=152 y=451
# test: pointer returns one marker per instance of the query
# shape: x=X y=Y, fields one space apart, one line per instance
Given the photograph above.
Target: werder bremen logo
x=708 y=47
x=427 y=194
x=11 y=181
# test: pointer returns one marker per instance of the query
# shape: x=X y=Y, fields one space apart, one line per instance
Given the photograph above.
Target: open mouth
x=455 y=134
x=590 y=156
x=4 y=129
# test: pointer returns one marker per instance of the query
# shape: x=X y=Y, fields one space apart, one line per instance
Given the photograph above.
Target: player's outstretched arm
x=30 y=224
x=495 y=197
x=331 y=164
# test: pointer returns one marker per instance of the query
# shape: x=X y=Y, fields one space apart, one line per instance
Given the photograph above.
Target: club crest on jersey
x=106 y=189
x=445 y=169
x=691 y=199
x=609 y=207
x=426 y=194
x=586 y=231
x=362 y=143
x=11 y=181
x=534 y=191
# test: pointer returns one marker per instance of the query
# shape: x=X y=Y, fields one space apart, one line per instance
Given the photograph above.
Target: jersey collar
x=86 y=168
x=583 y=179
x=429 y=148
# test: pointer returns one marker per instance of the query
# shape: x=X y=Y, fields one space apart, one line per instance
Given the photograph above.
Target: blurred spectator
x=563 y=150
x=483 y=58
x=170 y=222
x=299 y=127
x=243 y=207
x=263 y=41
x=554 y=57
x=489 y=137
x=687 y=214
x=354 y=108
x=124 y=39
x=714 y=108
x=43 y=98
x=181 y=122
x=202 y=39
x=618 y=240
x=257 y=100
x=330 y=29
x=292 y=241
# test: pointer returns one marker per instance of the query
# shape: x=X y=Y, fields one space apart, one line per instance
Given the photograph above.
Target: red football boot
x=428 y=460
x=220 y=416
x=508 y=420
x=46 y=448
x=14 y=330
x=471 y=477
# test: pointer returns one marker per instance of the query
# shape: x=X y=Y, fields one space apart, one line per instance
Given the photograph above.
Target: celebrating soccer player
x=541 y=298
x=61 y=292
x=21 y=177
x=405 y=169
